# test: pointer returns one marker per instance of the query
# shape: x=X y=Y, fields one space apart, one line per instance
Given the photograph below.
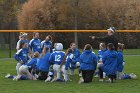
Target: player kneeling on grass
x=110 y=62
x=76 y=53
x=88 y=63
x=44 y=64
x=65 y=65
x=102 y=48
x=21 y=56
x=24 y=69
x=56 y=59
x=120 y=65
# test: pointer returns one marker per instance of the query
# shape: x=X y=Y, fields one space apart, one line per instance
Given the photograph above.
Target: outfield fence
x=9 y=38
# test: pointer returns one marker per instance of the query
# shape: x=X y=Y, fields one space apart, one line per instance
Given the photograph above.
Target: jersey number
x=57 y=58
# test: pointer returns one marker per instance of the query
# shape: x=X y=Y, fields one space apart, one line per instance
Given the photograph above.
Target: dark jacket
x=109 y=39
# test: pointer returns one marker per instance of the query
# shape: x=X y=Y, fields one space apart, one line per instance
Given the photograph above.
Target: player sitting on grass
x=56 y=59
x=102 y=48
x=65 y=65
x=24 y=69
x=21 y=56
x=88 y=63
x=120 y=65
x=110 y=62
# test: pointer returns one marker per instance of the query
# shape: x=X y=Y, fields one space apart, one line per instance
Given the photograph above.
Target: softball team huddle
x=38 y=60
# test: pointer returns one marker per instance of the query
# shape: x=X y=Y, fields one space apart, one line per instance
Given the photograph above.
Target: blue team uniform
x=100 y=54
x=88 y=60
x=22 y=41
x=57 y=57
x=44 y=63
x=25 y=41
x=69 y=61
x=47 y=44
x=35 y=45
x=22 y=55
x=76 y=57
x=120 y=61
x=110 y=62
x=32 y=63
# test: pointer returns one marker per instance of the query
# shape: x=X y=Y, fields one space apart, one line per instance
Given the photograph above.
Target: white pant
x=17 y=67
x=57 y=71
x=65 y=72
x=23 y=70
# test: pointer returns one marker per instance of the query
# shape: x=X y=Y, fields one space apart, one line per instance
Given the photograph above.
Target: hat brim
x=110 y=30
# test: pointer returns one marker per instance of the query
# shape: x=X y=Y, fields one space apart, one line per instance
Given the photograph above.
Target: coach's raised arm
x=110 y=38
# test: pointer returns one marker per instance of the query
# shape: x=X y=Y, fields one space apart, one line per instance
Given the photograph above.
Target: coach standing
x=110 y=38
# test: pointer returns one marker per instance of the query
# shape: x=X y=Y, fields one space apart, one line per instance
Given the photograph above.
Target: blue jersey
x=76 y=54
x=35 y=45
x=88 y=60
x=69 y=61
x=32 y=63
x=57 y=57
x=76 y=57
x=22 y=55
x=100 y=54
x=22 y=41
x=44 y=63
x=110 y=62
x=120 y=61
x=47 y=44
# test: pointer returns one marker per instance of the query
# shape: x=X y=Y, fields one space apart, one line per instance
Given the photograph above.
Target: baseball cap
x=112 y=29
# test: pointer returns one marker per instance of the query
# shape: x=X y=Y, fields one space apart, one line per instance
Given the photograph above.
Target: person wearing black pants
x=110 y=61
x=88 y=63
x=42 y=75
x=87 y=75
x=100 y=73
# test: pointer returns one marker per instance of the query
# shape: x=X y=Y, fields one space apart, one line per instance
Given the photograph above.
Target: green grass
x=132 y=51
x=120 y=86
x=5 y=53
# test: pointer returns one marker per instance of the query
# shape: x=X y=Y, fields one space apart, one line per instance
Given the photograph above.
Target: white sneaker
x=81 y=80
x=36 y=76
x=7 y=75
x=96 y=75
x=109 y=80
x=48 y=79
x=80 y=74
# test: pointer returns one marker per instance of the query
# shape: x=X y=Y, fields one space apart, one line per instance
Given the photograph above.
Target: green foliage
x=8 y=12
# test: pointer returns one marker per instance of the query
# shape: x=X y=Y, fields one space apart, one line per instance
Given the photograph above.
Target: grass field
x=120 y=86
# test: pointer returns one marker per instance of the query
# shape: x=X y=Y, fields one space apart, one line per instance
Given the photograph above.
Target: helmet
x=59 y=46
